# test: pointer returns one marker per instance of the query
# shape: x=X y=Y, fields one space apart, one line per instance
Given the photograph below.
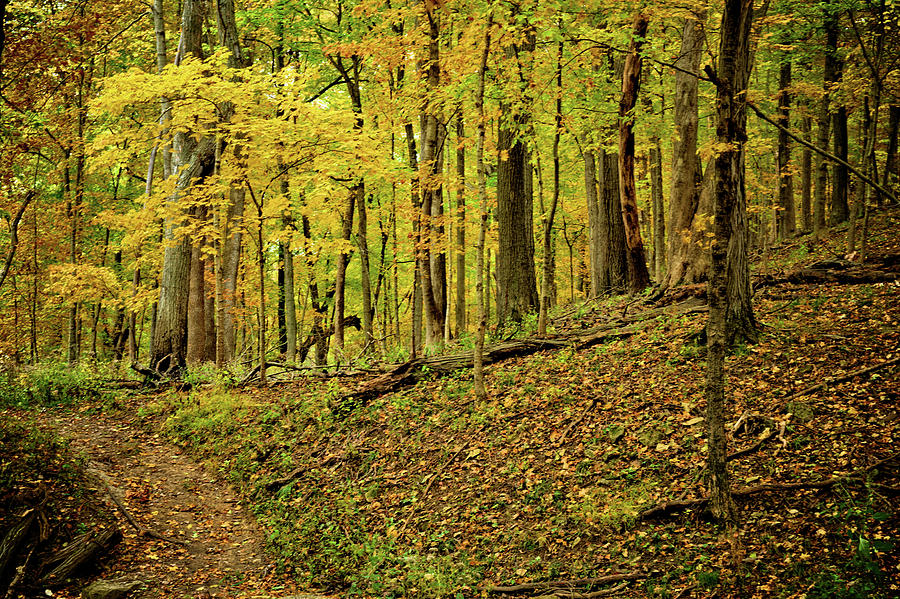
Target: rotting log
x=83 y=549
x=14 y=538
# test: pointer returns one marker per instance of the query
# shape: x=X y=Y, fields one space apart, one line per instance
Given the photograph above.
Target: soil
x=216 y=547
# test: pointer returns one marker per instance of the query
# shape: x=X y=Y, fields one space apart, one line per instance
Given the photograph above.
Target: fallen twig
x=144 y=532
x=592 y=595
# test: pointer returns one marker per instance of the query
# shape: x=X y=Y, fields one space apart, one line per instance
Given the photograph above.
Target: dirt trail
x=170 y=494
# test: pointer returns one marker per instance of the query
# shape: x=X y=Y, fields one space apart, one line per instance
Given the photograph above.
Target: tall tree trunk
x=638 y=275
x=734 y=50
x=548 y=218
x=613 y=252
x=684 y=194
x=478 y=358
x=806 y=176
x=834 y=66
x=340 y=278
x=196 y=160
x=460 y=227
x=516 y=282
x=196 y=321
x=598 y=272
x=659 y=214
x=787 y=217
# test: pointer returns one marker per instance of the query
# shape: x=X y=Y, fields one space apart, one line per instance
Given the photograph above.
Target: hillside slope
x=427 y=492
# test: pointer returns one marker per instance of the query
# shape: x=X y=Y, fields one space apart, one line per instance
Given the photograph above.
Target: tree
x=516 y=281
x=731 y=80
x=638 y=275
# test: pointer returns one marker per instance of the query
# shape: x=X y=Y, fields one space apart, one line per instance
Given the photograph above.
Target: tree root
x=673 y=507
x=564 y=588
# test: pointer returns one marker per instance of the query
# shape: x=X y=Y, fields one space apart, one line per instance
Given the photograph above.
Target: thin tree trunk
x=340 y=278
x=734 y=49
x=460 y=227
x=599 y=275
x=787 y=217
x=806 y=177
x=549 y=216
x=659 y=215
x=478 y=359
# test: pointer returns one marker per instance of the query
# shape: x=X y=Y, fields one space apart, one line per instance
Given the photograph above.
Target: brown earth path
x=220 y=553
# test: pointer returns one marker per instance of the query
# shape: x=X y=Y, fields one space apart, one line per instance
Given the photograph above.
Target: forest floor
x=549 y=488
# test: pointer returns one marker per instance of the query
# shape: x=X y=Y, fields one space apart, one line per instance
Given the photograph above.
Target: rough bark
x=734 y=50
x=638 y=275
x=516 y=281
x=612 y=228
x=340 y=277
x=684 y=194
x=196 y=322
x=891 y=163
x=598 y=273
x=787 y=217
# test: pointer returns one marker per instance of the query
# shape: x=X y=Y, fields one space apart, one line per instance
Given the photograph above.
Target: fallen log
x=83 y=549
x=841 y=379
x=14 y=538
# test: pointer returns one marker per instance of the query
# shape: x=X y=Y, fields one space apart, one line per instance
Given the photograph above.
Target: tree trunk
x=684 y=195
x=638 y=275
x=834 y=66
x=196 y=321
x=806 y=177
x=599 y=275
x=460 y=227
x=612 y=228
x=516 y=282
x=734 y=49
x=659 y=214
x=787 y=217
x=340 y=278
x=196 y=160
x=548 y=218
x=478 y=355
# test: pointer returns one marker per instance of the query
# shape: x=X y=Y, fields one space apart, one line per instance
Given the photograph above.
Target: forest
x=347 y=255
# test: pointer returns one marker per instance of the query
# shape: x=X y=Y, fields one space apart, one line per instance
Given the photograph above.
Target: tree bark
x=684 y=195
x=638 y=275
x=806 y=177
x=196 y=322
x=787 y=217
x=598 y=273
x=516 y=282
x=613 y=252
x=659 y=214
x=834 y=66
x=549 y=217
x=478 y=354
x=460 y=227
x=734 y=49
